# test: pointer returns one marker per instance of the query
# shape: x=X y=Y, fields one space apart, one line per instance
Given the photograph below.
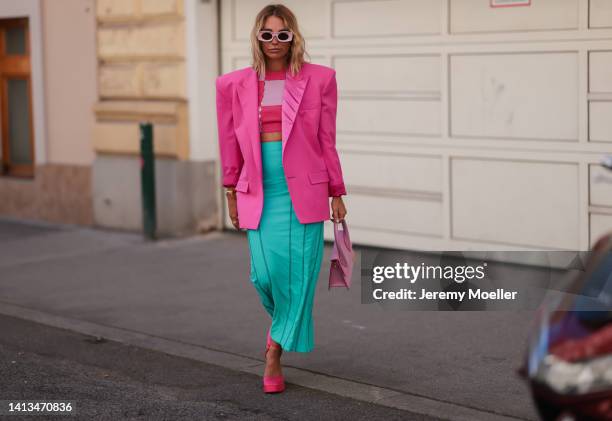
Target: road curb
x=313 y=380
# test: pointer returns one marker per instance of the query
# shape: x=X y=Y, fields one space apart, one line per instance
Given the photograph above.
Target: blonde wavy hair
x=298 y=44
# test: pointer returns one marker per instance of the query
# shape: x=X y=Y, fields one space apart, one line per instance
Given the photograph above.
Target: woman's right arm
x=229 y=149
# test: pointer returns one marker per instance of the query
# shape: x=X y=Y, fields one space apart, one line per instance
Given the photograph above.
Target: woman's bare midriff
x=270 y=137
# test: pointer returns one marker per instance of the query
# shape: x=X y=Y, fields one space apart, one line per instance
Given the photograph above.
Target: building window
x=16 y=98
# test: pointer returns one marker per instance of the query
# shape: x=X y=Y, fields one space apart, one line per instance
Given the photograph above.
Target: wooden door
x=16 y=98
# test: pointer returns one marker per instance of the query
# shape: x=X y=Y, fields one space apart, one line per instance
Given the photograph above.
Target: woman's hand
x=232 y=208
x=338 y=209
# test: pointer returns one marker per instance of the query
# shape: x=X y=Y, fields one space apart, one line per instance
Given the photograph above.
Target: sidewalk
x=192 y=297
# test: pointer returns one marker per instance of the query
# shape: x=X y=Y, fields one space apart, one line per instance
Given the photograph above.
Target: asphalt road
x=109 y=380
x=194 y=295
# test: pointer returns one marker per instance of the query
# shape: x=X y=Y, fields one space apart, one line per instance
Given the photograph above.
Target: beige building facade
x=462 y=124
x=144 y=50
x=62 y=80
x=98 y=69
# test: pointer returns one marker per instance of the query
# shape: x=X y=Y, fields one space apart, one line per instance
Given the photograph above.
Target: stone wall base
x=185 y=195
x=58 y=193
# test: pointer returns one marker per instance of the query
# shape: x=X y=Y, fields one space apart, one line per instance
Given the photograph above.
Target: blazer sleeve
x=229 y=149
x=327 y=136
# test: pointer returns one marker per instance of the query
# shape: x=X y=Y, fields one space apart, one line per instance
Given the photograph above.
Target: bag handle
x=347 y=238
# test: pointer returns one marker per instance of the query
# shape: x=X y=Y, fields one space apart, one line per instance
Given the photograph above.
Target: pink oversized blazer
x=309 y=156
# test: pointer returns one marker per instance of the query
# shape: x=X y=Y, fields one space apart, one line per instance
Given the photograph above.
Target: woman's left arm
x=327 y=136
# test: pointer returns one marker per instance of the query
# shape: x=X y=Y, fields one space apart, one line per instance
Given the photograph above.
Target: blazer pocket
x=318 y=176
x=242 y=186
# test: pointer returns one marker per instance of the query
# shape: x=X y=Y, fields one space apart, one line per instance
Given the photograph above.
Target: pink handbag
x=342 y=258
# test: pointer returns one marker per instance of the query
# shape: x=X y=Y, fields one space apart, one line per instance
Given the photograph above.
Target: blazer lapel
x=292 y=97
x=249 y=95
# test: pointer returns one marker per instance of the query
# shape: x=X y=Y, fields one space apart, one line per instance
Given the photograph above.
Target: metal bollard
x=147 y=180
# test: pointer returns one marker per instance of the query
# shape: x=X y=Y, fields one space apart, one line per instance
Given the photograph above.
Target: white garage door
x=464 y=127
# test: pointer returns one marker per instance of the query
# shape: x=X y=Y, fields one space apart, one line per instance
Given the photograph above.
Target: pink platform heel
x=272 y=384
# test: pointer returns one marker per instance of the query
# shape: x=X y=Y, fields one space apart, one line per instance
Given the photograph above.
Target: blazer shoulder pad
x=321 y=70
x=229 y=78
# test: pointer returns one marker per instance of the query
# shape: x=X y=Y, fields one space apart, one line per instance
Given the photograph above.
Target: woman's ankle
x=273 y=353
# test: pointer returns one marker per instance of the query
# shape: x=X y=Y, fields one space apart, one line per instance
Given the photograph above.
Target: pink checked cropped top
x=270 y=99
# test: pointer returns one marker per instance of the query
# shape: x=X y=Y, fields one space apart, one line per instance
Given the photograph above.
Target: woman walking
x=277 y=140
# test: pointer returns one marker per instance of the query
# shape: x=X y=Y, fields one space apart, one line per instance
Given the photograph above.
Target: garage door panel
x=389 y=74
x=515 y=202
x=600 y=186
x=396 y=214
x=389 y=116
x=477 y=16
x=517 y=96
x=361 y=18
x=393 y=172
x=600 y=123
x=600 y=13
x=600 y=77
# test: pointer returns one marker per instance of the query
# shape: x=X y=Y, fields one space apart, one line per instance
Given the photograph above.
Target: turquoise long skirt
x=286 y=258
